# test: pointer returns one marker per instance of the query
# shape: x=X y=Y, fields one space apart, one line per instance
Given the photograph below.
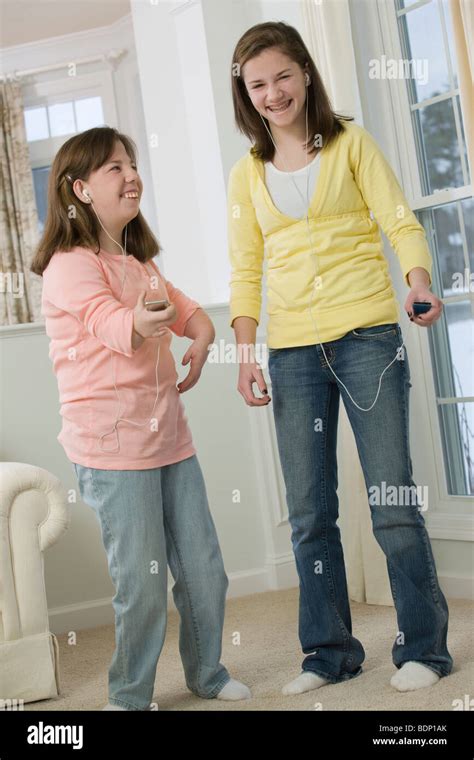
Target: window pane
x=88 y=113
x=452 y=257
x=440 y=147
x=40 y=182
x=459 y=321
x=36 y=124
x=61 y=118
x=457 y=425
x=428 y=48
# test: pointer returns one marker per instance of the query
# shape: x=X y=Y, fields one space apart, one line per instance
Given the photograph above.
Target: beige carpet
x=269 y=656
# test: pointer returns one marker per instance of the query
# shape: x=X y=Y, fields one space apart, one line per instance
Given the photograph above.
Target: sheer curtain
x=462 y=14
x=20 y=296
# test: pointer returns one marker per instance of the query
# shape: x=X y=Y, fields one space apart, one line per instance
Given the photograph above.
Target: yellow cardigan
x=344 y=275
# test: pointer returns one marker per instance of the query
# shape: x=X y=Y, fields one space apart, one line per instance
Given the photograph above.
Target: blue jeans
x=304 y=390
x=149 y=518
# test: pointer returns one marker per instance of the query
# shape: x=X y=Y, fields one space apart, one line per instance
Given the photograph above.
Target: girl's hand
x=423 y=293
x=152 y=324
x=197 y=355
x=250 y=373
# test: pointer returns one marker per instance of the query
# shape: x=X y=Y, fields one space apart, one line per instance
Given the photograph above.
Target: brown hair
x=322 y=120
x=77 y=158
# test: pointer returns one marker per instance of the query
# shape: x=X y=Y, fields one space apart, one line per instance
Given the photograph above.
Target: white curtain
x=462 y=13
x=327 y=34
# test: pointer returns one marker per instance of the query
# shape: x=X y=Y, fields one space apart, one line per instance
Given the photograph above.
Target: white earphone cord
x=118 y=418
x=316 y=271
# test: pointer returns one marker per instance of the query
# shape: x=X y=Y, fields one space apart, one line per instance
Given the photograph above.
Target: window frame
x=452 y=516
x=92 y=84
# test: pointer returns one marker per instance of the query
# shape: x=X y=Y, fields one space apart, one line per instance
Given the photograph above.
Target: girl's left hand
x=197 y=355
x=422 y=293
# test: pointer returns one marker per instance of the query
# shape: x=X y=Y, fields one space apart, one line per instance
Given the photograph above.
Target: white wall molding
x=281 y=575
x=446 y=525
x=38 y=328
x=53 y=48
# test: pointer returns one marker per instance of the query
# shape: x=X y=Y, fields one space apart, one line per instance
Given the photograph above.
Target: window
x=56 y=120
x=65 y=118
x=443 y=166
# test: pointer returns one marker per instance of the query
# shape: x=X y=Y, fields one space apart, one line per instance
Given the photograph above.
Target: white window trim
x=452 y=518
x=64 y=89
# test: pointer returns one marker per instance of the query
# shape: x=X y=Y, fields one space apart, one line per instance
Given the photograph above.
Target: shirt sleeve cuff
x=414 y=253
x=244 y=308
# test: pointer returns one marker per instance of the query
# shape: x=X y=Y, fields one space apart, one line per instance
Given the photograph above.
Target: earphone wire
x=118 y=418
x=306 y=214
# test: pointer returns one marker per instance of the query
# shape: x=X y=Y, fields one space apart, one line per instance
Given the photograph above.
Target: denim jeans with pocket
x=305 y=397
x=149 y=519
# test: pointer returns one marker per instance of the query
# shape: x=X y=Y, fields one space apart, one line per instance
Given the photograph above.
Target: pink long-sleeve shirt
x=90 y=328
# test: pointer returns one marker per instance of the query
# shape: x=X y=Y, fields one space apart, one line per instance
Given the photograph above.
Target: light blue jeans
x=151 y=518
x=305 y=392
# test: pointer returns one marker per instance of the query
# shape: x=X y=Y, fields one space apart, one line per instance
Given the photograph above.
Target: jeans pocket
x=376 y=331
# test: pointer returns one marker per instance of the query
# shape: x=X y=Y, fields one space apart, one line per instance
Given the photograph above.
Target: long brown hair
x=76 y=159
x=322 y=120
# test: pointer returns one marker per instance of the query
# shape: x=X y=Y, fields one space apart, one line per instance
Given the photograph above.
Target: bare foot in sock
x=413 y=675
x=306 y=681
x=234 y=690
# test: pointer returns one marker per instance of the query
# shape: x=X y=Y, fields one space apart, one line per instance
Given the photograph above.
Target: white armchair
x=33 y=515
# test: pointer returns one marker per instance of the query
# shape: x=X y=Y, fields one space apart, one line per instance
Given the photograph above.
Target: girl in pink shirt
x=124 y=427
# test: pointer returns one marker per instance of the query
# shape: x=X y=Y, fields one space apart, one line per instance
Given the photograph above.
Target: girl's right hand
x=250 y=373
x=152 y=324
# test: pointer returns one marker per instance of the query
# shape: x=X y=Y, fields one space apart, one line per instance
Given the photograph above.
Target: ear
x=79 y=190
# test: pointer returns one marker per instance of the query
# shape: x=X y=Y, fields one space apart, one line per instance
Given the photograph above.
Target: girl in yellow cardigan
x=311 y=191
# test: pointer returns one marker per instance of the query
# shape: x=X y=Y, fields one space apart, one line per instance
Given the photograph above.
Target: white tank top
x=283 y=191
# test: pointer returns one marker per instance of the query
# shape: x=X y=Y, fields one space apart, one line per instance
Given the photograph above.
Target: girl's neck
x=292 y=155
x=107 y=244
x=290 y=152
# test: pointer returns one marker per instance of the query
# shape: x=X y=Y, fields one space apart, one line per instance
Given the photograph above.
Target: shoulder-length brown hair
x=69 y=222
x=322 y=120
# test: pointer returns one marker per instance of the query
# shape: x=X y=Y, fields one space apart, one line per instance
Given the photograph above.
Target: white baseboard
x=278 y=575
x=456 y=586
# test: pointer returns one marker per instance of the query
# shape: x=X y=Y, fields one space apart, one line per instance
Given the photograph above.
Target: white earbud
x=86 y=194
x=307 y=79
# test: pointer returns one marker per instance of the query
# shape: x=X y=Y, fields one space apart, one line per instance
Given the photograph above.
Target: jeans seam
x=188 y=597
x=424 y=537
x=121 y=703
x=323 y=491
x=123 y=648
x=392 y=577
x=432 y=575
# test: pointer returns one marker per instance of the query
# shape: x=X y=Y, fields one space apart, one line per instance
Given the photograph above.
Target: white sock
x=234 y=690
x=109 y=706
x=306 y=681
x=413 y=675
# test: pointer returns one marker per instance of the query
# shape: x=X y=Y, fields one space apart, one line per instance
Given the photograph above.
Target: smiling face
x=276 y=86
x=115 y=188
